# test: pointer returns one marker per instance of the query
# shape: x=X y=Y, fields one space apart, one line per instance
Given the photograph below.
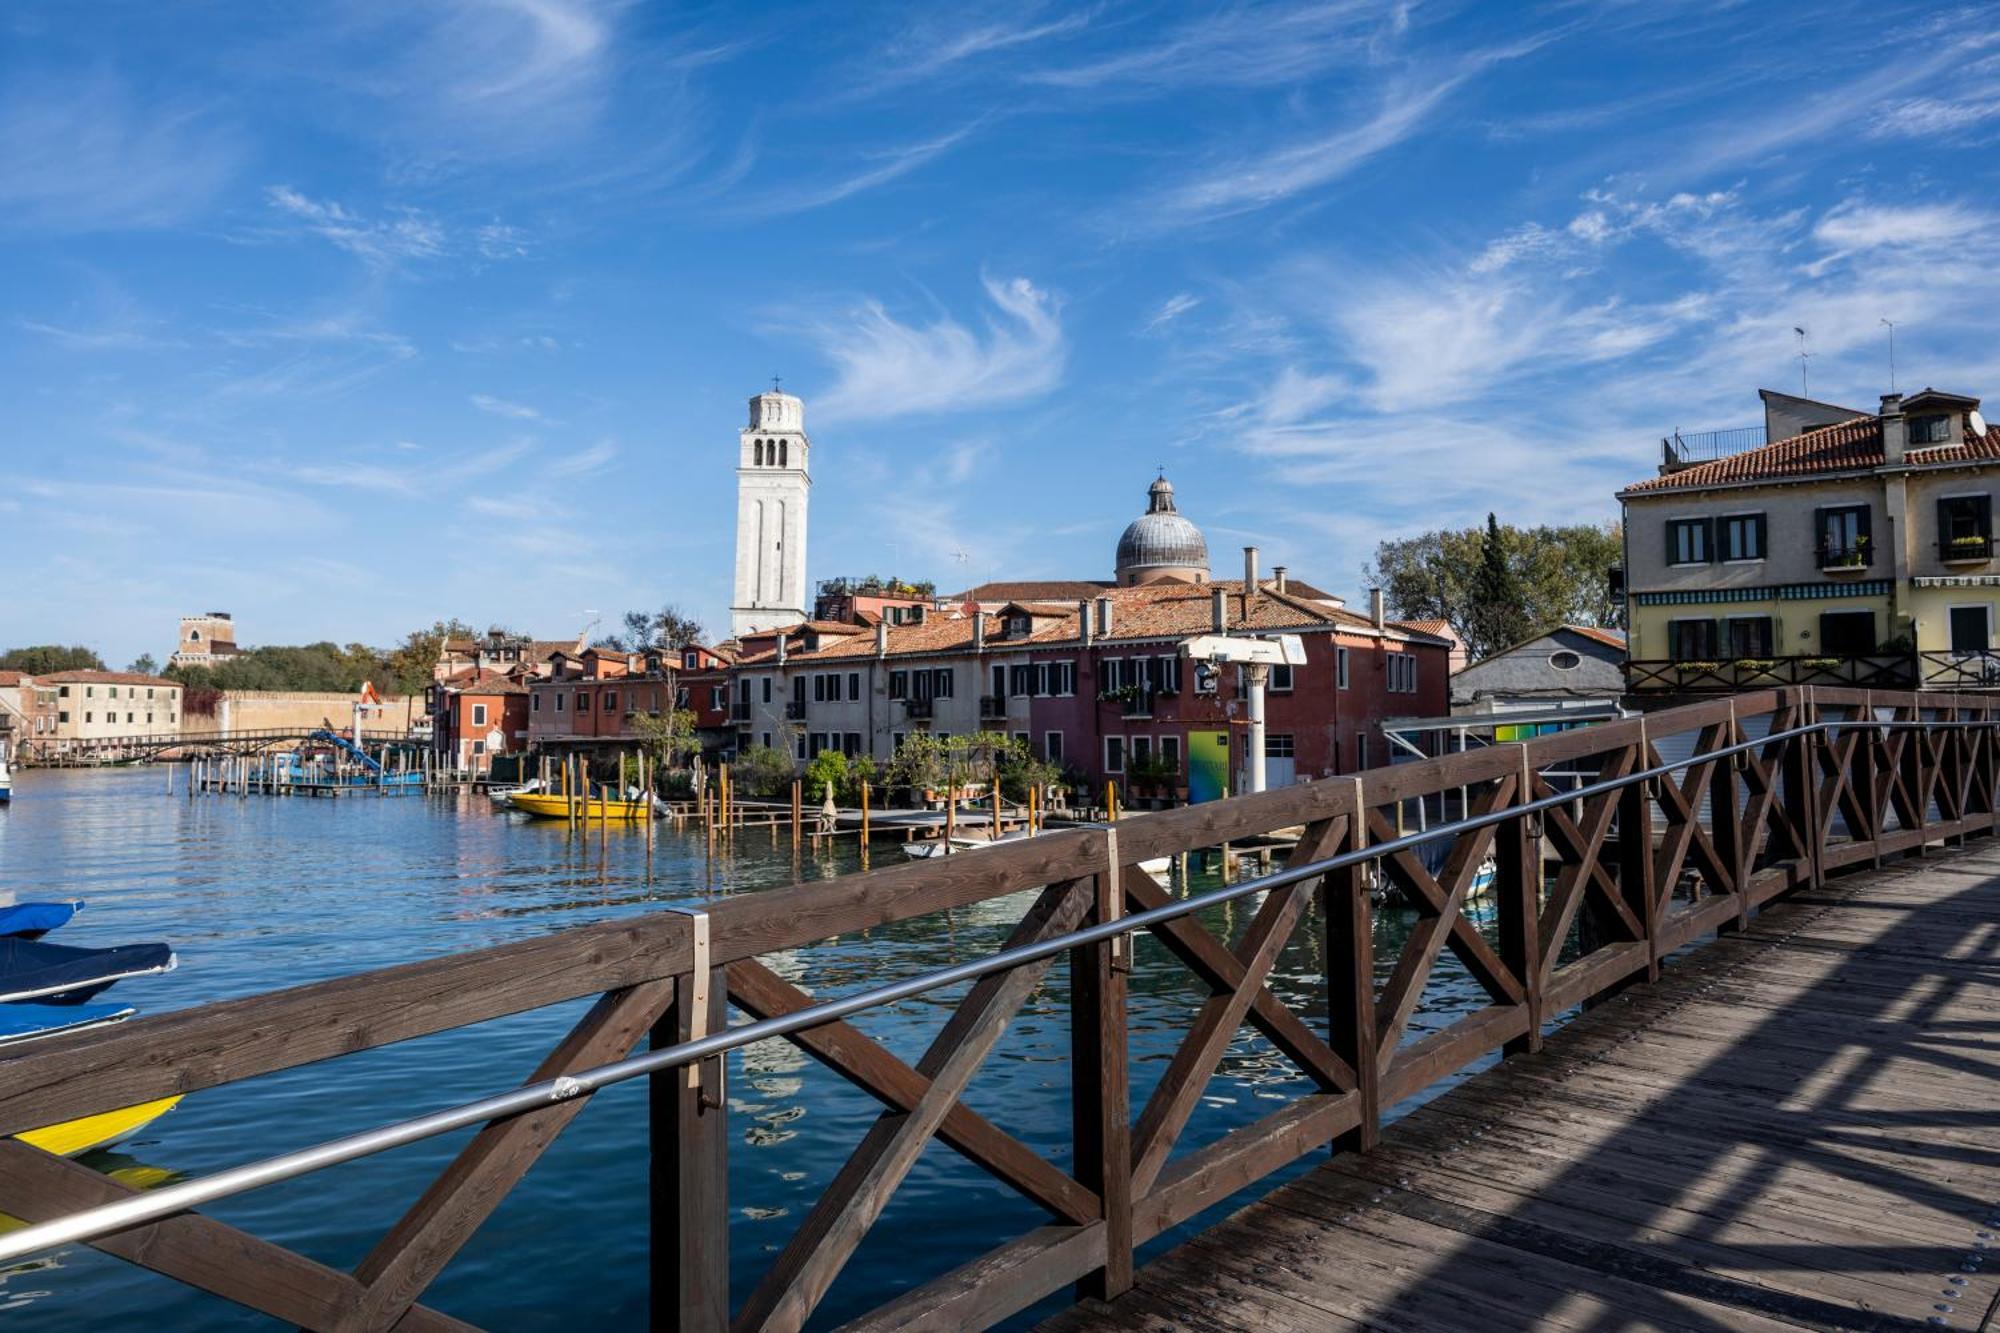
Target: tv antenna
x=1805 y=390
x=1890 y=325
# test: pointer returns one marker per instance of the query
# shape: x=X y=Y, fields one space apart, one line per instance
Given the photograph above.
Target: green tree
x=762 y=771
x=42 y=659
x=668 y=629
x=669 y=737
x=144 y=665
x=1558 y=576
x=1499 y=612
x=827 y=773
x=412 y=663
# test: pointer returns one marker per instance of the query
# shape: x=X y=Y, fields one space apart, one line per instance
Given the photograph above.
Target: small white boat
x=924 y=851
x=501 y=796
x=6 y=777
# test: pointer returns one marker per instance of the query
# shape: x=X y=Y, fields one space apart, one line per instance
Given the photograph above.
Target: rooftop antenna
x=1805 y=390
x=1890 y=325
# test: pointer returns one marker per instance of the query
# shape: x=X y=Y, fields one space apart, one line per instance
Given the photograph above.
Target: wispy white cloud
x=888 y=166
x=1170 y=310
x=929 y=48
x=87 y=154
x=580 y=462
x=501 y=407
x=403 y=234
x=1243 y=45
x=1926 y=117
x=888 y=368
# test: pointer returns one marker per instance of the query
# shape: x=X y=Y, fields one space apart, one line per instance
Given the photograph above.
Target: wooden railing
x=1893 y=671
x=1766 y=792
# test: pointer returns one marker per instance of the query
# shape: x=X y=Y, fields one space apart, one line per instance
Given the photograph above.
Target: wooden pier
x=1775 y=1110
x=1794 y=1129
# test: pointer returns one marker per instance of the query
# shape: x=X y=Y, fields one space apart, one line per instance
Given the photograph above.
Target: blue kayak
x=25 y=1022
x=34 y=920
x=58 y=974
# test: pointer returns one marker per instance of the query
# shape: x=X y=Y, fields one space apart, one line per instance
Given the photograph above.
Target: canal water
x=262 y=893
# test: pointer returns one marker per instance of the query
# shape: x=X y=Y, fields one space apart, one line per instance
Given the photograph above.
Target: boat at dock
x=6 y=777
x=600 y=807
x=61 y=974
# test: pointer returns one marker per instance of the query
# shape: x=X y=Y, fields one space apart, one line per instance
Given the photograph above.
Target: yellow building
x=100 y=706
x=1858 y=550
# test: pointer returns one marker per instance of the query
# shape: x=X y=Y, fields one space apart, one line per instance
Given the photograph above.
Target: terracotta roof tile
x=1610 y=638
x=1031 y=590
x=1846 y=447
x=105 y=678
x=10 y=679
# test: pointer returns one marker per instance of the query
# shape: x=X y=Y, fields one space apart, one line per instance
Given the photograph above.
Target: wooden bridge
x=1790 y=1126
x=52 y=752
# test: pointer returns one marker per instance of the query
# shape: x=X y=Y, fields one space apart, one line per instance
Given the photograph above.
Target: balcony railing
x=1959 y=670
x=1137 y=705
x=992 y=705
x=1705 y=446
x=1965 y=550
x=739 y=712
x=917 y=709
x=795 y=710
x=1867 y=670
x=1840 y=556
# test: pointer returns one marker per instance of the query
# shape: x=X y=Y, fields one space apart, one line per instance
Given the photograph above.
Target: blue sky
x=347 y=317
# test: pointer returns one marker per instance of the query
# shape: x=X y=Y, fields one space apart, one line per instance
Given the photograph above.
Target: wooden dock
x=1795 y=1129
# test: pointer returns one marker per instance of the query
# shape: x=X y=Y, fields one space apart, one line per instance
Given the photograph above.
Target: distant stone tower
x=772 y=486
x=205 y=640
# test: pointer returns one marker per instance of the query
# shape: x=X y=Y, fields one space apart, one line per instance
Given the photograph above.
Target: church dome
x=1161 y=543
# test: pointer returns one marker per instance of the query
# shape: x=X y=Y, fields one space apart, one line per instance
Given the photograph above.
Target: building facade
x=773 y=485
x=98 y=706
x=1569 y=667
x=1859 y=552
x=205 y=641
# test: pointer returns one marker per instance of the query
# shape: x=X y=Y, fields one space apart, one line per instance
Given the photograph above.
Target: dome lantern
x=1161 y=543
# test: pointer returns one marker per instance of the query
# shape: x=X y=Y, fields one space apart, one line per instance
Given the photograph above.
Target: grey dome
x=1161 y=538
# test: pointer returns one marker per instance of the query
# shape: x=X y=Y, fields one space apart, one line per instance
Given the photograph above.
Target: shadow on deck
x=1794 y=1129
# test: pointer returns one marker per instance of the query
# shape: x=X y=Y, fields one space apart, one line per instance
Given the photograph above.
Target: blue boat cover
x=25 y=1022
x=32 y=920
x=58 y=974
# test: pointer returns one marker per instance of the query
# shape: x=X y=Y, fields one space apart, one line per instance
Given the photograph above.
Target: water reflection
x=263 y=893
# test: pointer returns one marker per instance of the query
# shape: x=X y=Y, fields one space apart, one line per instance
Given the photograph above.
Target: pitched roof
x=9 y=679
x=1436 y=628
x=1849 y=446
x=1032 y=590
x=105 y=678
x=483 y=680
x=1610 y=638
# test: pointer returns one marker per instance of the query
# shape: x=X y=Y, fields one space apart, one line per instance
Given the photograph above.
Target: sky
x=349 y=317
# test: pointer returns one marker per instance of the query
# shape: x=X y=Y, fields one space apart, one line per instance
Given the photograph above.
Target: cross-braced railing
x=1688 y=822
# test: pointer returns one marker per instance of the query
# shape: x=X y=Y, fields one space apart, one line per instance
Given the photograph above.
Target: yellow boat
x=97 y=1131
x=555 y=805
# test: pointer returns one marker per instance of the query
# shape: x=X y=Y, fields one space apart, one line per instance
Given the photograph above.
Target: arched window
x=758 y=452
x=783 y=450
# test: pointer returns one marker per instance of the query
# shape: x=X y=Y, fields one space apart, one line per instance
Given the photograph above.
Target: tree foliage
x=144 y=665
x=762 y=771
x=668 y=629
x=320 y=668
x=45 y=658
x=1498 y=585
x=669 y=737
x=412 y=662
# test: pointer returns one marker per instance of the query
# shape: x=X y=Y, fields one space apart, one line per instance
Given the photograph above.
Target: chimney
x=1083 y=621
x=1278 y=578
x=1375 y=604
x=1249 y=574
x=1104 y=617
x=782 y=636
x=978 y=631
x=1218 y=618
x=881 y=638
x=1895 y=430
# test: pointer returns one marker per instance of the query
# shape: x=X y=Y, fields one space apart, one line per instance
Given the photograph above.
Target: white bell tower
x=772 y=486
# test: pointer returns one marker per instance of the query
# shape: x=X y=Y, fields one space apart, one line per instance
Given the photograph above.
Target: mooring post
x=1635 y=855
x=688 y=1114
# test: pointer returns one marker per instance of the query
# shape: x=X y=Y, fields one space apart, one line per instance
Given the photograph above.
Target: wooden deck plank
x=1793 y=1129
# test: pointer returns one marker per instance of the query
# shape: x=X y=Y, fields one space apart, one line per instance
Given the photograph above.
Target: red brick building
x=477 y=714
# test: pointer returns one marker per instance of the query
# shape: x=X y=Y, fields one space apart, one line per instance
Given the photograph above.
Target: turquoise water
x=260 y=893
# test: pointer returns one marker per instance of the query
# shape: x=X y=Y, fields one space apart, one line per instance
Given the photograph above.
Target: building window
x=62 y=716
x=1142 y=750
x=1052 y=746
x=1170 y=753
x=854 y=686
x=479 y=747
x=559 y=703
x=149 y=719
x=65 y=691
x=1062 y=679
x=128 y=719
x=1930 y=430
x=896 y=741
x=1340 y=668
x=611 y=701
x=850 y=743
x=1281 y=677
x=718 y=696
x=1965 y=524
x=1742 y=537
x=583 y=701
x=1691 y=640
x=899 y=684
x=1843 y=536
x=1402 y=673
x=1565 y=660
x=1847 y=633
x=941 y=686
x=1114 y=754
x=536 y=703
x=479 y=715
x=1206 y=677
x=1750 y=636
x=767 y=690
x=1690 y=541
x=89 y=717
x=1278 y=745
x=1971 y=629
x=90 y=691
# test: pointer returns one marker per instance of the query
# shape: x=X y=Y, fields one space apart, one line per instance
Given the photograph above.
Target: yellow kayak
x=556 y=806
x=97 y=1131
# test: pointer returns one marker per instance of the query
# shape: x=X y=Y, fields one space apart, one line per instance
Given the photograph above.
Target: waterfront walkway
x=1796 y=1128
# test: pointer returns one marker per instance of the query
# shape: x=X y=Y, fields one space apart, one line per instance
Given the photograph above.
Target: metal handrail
x=103 y=1219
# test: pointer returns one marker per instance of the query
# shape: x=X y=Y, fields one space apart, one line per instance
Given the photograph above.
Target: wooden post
x=690 y=1175
x=950 y=812
x=864 y=825
x=995 y=835
x=797 y=811
x=1725 y=806
x=1635 y=856
x=1350 y=967
x=1100 y=1090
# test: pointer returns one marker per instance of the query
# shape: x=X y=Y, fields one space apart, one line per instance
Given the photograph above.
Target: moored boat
x=60 y=974
x=554 y=805
x=31 y=921
x=92 y=1132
